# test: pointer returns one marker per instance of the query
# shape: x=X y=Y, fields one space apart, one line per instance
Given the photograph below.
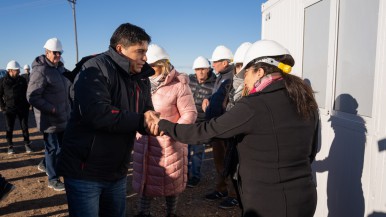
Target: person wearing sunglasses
x=48 y=93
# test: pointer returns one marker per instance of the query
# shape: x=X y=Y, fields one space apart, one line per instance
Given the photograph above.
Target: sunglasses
x=57 y=53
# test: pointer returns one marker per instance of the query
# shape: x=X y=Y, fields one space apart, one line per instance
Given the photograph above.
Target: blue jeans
x=96 y=198
x=195 y=155
x=52 y=143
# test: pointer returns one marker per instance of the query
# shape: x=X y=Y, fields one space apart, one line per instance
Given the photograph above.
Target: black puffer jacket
x=13 y=94
x=219 y=99
x=48 y=93
x=109 y=103
x=201 y=92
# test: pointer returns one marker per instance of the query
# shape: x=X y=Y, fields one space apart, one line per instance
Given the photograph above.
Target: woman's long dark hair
x=300 y=92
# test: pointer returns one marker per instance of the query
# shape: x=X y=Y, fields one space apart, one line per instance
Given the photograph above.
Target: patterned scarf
x=156 y=81
x=238 y=86
x=265 y=81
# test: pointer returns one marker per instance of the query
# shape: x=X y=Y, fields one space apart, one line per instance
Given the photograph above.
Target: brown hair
x=299 y=92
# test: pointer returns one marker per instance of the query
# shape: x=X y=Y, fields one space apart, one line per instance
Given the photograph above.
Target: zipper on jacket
x=138 y=90
x=83 y=163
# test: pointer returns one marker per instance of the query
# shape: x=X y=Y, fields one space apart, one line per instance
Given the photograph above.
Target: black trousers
x=10 y=118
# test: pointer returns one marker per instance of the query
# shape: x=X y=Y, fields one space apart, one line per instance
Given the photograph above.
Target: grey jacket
x=48 y=93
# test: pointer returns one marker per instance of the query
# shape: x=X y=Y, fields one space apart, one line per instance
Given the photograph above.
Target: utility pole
x=73 y=2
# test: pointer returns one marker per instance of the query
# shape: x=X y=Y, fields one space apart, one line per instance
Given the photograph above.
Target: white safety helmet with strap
x=26 y=67
x=240 y=52
x=222 y=53
x=155 y=53
x=13 y=65
x=53 y=44
x=200 y=62
x=265 y=48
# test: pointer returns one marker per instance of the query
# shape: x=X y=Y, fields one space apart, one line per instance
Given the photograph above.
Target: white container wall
x=339 y=47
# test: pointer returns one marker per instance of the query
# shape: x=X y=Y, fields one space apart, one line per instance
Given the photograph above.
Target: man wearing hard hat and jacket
x=214 y=107
x=201 y=83
x=48 y=93
x=27 y=73
x=14 y=104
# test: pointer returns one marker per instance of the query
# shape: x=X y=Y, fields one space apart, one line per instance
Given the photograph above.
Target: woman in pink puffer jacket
x=160 y=163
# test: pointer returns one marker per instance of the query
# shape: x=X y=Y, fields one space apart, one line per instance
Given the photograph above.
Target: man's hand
x=151 y=122
x=205 y=103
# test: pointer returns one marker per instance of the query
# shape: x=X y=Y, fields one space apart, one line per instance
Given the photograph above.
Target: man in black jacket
x=13 y=102
x=214 y=107
x=111 y=95
x=26 y=75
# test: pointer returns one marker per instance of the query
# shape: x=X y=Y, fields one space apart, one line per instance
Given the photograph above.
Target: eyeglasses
x=57 y=53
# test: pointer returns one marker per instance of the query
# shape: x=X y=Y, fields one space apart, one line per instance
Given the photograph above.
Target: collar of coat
x=275 y=86
x=230 y=68
x=124 y=64
x=43 y=61
x=181 y=77
x=211 y=77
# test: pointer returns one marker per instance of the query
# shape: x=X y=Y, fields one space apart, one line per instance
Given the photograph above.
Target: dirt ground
x=32 y=197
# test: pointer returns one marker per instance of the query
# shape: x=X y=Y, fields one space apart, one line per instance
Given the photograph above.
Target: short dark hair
x=128 y=34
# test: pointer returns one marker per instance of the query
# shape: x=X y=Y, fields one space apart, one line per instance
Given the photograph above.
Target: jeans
x=195 y=155
x=10 y=118
x=96 y=198
x=52 y=143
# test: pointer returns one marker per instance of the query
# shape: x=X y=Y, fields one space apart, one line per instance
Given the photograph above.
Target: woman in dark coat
x=275 y=125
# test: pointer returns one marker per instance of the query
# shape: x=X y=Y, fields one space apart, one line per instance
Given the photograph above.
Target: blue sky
x=186 y=29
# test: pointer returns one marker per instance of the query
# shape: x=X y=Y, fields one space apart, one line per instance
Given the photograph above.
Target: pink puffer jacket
x=160 y=164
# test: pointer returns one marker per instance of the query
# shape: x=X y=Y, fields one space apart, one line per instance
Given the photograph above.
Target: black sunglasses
x=57 y=53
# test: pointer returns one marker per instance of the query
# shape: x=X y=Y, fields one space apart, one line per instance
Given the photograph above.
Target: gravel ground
x=32 y=197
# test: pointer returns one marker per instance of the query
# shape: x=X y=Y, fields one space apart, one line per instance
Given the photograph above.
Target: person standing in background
x=48 y=93
x=26 y=75
x=214 y=107
x=201 y=84
x=13 y=102
x=160 y=163
x=236 y=91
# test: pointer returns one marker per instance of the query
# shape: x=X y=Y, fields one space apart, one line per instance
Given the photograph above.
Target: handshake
x=151 y=123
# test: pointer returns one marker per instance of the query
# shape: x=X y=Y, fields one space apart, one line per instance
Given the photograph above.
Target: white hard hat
x=13 y=65
x=240 y=52
x=53 y=44
x=262 y=48
x=222 y=53
x=200 y=62
x=155 y=53
x=26 y=67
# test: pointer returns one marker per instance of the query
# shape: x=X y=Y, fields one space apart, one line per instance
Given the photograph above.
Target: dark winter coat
x=26 y=76
x=275 y=151
x=48 y=93
x=201 y=92
x=13 y=94
x=219 y=99
x=109 y=103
